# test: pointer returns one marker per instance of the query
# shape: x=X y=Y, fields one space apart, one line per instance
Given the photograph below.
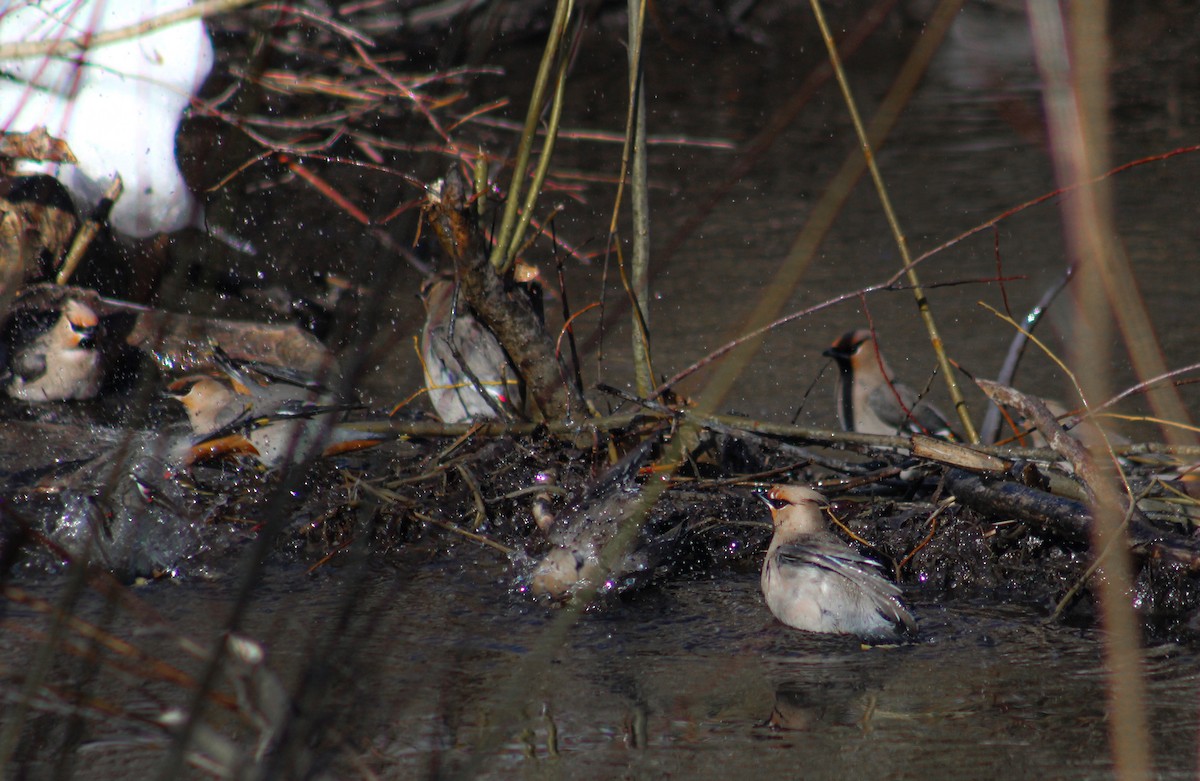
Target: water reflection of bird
x=813 y=581
x=268 y=414
x=809 y=705
x=467 y=373
x=53 y=353
x=117 y=106
x=870 y=401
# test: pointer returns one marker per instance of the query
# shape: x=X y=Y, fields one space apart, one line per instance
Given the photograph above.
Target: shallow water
x=692 y=679
x=424 y=655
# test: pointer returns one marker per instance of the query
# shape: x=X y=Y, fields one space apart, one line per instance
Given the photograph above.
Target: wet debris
x=580 y=508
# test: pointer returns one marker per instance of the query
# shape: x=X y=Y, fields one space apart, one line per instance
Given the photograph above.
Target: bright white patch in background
x=117 y=107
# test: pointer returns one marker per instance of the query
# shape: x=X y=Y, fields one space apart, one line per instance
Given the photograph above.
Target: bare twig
x=480 y=505
x=1066 y=189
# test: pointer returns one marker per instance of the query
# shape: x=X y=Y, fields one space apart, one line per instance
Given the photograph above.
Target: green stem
x=562 y=13
x=640 y=204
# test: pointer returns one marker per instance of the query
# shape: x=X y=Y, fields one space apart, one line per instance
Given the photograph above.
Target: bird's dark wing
x=922 y=417
x=29 y=365
x=289 y=410
x=285 y=375
x=299 y=408
x=835 y=558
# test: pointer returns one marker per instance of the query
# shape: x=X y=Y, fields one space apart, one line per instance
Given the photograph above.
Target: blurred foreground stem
x=1074 y=73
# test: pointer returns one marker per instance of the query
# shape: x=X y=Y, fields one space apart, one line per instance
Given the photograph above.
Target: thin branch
x=66 y=48
x=918 y=61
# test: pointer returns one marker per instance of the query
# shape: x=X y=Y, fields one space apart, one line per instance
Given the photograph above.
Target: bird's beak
x=83 y=322
x=86 y=335
x=769 y=502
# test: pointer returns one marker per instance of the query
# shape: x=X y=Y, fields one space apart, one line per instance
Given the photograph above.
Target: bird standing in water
x=467 y=373
x=275 y=421
x=52 y=354
x=870 y=401
x=811 y=580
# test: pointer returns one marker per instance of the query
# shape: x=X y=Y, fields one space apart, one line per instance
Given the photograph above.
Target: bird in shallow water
x=811 y=580
x=467 y=373
x=586 y=526
x=52 y=354
x=870 y=401
x=265 y=413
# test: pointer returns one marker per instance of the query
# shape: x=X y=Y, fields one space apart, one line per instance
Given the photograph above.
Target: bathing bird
x=813 y=581
x=268 y=414
x=467 y=373
x=53 y=353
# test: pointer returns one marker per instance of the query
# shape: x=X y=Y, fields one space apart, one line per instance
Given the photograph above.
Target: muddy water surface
x=432 y=676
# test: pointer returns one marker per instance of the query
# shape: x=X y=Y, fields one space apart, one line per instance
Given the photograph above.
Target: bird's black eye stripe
x=774 y=504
